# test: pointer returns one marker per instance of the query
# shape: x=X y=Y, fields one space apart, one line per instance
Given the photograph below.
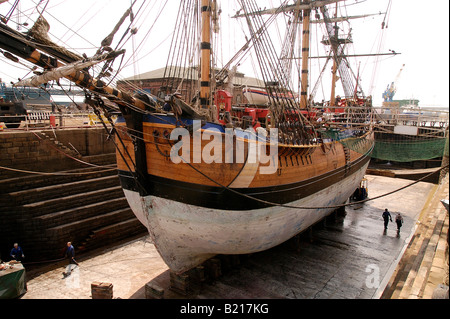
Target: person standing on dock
x=399 y=221
x=17 y=253
x=386 y=216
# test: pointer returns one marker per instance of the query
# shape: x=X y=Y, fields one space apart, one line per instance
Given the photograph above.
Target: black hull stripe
x=221 y=198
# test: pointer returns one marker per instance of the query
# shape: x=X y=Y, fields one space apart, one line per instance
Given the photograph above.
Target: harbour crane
x=391 y=89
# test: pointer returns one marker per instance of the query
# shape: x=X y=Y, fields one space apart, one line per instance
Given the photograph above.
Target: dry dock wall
x=42 y=212
x=50 y=151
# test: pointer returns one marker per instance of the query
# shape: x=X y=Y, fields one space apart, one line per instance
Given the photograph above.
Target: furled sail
x=39 y=32
x=63 y=71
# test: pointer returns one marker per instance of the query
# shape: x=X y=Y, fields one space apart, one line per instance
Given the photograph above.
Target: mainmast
x=205 y=46
x=306 y=6
x=305 y=57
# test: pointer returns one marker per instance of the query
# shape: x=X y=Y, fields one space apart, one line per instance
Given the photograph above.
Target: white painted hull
x=186 y=235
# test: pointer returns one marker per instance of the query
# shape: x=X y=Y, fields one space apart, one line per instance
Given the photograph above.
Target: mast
x=333 y=84
x=305 y=57
x=355 y=94
x=334 y=70
x=205 y=46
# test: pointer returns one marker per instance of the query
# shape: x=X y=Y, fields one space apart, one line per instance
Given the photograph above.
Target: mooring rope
x=54 y=173
x=43 y=262
x=284 y=205
x=67 y=155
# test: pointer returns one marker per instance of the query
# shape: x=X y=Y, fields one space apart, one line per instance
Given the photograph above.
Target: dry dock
x=350 y=257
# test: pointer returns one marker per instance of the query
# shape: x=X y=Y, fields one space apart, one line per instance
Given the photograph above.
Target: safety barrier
x=48 y=119
x=39 y=116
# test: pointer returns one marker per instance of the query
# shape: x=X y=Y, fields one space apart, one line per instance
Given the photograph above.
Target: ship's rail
x=420 y=121
x=344 y=117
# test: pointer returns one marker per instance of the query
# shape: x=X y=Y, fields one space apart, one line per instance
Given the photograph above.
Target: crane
x=388 y=95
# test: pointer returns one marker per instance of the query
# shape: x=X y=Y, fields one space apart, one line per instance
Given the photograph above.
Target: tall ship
x=205 y=175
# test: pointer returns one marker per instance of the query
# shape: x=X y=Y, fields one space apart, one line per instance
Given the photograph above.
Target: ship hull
x=187 y=235
x=194 y=211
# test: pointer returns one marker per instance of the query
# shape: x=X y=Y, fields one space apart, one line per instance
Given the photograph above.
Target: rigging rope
x=53 y=173
x=314 y=207
x=286 y=111
x=384 y=26
x=71 y=157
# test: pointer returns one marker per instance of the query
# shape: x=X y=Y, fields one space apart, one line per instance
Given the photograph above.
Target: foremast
x=205 y=47
x=334 y=70
x=305 y=57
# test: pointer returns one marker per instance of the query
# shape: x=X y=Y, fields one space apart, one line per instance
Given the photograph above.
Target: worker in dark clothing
x=17 y=253
x=386 y=216
x=70 y=255
x=399 y=221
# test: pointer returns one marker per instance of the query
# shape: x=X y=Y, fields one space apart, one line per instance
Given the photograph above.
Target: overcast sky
x=418 y=30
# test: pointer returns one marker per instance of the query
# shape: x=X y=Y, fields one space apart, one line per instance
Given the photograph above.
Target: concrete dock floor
x=424 y=265
x=349 y=258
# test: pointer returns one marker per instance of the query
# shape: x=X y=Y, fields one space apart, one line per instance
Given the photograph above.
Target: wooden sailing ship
x=204 y=177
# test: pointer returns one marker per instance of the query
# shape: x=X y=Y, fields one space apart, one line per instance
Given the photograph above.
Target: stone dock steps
x=98 y=208
x=31 y=182
x=85 y=206
x=65 y=202
x=116 y=231
x=82 y=228
x=54 y=191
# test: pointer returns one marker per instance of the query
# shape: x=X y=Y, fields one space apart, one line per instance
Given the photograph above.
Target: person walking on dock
x=70 y=254
x=386 y=216
x=399 y=221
